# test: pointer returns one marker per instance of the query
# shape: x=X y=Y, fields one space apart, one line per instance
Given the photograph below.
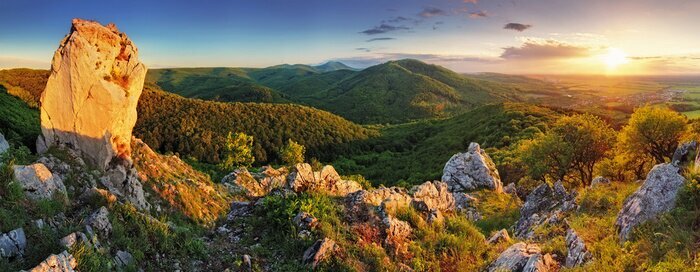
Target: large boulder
x=544 y=205
x=91 y=95
x=471 y=170
x=522 y=257
x=656 y=196
x=4 y=145
x=63 y=262
x=38 y=182
x=13 y=243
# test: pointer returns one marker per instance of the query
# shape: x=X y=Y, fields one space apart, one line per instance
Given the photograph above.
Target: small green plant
x=238 y=151
x=292 y=153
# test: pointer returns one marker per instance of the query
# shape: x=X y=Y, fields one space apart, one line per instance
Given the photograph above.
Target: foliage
x=237 y=152
x=18 y=122
x=292 y=153
x=655 y=131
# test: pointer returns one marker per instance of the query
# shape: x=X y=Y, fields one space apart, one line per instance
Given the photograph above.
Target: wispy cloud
x=517 y=26
x=478 y=14
x=544 y=49
x=470 y=1
x=363 y=49
x=432 y=12
x=383 y=28
x=381 y=39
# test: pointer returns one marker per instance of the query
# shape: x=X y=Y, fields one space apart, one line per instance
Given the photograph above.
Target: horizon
x=628 y=38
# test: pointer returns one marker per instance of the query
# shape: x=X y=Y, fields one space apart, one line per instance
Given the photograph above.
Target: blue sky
x=545 y=36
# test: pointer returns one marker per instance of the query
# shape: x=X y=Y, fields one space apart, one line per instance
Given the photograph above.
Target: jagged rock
x=74 y=238
x=38 y=182
x=543 y=205
x=91 y=95
x=63 y=262
x=680 y=156
x=396 y=234
x=522 y=257
x=433 y=196
x=239 y=209
x=122 y=181
x=359 y=203
x=302 y=179
x=123 y=258
x=578 y=253
x=241 y=181
x=305 y=221
x=656 y=196
x=511 y=189
x=319 y=251
x=471 y=170
x=99 y=222
x=599 y=180
x=466 y=204
x=4 y=145
x=13 y=243
x=499 y=236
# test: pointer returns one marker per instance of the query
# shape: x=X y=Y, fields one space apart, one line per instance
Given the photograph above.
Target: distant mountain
x=333 y=66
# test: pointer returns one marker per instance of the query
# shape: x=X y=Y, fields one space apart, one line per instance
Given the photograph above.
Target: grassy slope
x=417 y=152
x=18 y=122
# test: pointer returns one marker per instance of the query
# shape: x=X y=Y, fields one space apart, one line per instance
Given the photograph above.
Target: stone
x=522 y=257
x=13 y=243
x=302 y=178
x=239 y=209
x=544 y=205
x=656 y=196
x=305 y=221
x=467 y=204
x=122 y=181
x=396 y=235
x=38 y=182
x=63 y=262
x=471 y=171
x=123 y=258
x=99 y=222
x=577 y=254
x=682 y=153
x=319 y=251
x=360 y=204
x=241 y=181
x=599 y=180
x=90 y=98
x=4 y=145
x=73 y=239
x=433 y=196
x=246 y=264
x=511 y=189
x=498 y=237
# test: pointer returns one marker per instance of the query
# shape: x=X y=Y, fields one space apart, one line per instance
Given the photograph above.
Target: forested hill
x=392 y=92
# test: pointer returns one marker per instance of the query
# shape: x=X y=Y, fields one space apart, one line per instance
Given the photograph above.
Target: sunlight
x=614 y=58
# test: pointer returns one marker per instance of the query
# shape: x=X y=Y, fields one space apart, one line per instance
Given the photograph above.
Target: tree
x=238 y=151
x=655 y=131
x=575 y=143
x=292 y=153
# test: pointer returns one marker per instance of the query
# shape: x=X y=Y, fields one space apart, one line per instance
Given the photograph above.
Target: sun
x=614 y=58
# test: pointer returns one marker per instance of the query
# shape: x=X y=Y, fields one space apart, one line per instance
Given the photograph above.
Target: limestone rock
x=471 y=170
x=305 y=221
x=91 y=95
x=123 y=258
x=4 y=145
x=499 y=236
x=466 y=204
x=38 y=182
x=656 y=196
x=63 y=262
x=122 y=181
x=396 y=235
x=511 y=189
x=599 y=180
x=680 y=156
x=73 y=239
x=319 y=251
x=433 y=196
x=522 y=257
x=360 y=203
x=578 y=253
x=13 y=243
x=99 y=222
x=302 y=178
x=545 y=204
x=239 y=209
x=241 y=181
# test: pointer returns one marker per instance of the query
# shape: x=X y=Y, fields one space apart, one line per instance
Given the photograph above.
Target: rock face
x=4 y=145
x=38 y=182
x=241 y=181
x=523 y=257
x=471 y=171
x=657 y=195
x=319 y=251
x=99 y=222
x=13 y=243
x=90 y=98
x=122 y=180
x=63 y=262
x=578 y=253
x=545 y=204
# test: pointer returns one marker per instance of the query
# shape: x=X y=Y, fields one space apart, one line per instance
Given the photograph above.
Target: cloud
x=397 y=19
x=471 y=1
x=383 y=28
x=432 y=12
x=545 y=49
x=516 y=26
x=380 y=39
x=478 y=14
x=363 y=49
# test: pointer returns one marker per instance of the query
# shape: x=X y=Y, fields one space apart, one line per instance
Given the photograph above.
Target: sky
x=505 y=36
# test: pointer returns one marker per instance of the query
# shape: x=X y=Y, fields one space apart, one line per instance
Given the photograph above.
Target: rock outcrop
x=577 y=254
x=98 y=222
x=683 y=152
x=4 y=145
x=63 y=262
x=319 y=251
x=499 y=236
x=302 y=178
x=545 y=204
x=522 y=257
x=122 y=181
x=13 y=243
x=656 y=196
x=471 y=170
x=38 y=182
x=91 y=95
